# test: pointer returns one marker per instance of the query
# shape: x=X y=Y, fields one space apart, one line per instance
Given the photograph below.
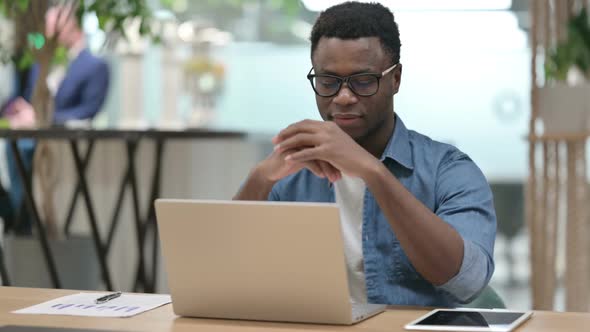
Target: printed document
x=83 y=304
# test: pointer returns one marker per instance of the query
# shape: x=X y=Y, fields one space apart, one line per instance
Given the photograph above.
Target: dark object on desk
x=458 y=318
x=470 y=320
x=13 y=328
x=107 y=298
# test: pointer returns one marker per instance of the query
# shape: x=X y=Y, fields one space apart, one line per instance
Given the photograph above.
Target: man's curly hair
x=352 y=20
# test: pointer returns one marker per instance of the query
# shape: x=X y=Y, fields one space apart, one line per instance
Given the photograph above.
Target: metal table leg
x=30 y=200
x=141 y=278
x=101 y=253
x=3 y=270
x=118 y=205
x=151 y=219
x=77 y=191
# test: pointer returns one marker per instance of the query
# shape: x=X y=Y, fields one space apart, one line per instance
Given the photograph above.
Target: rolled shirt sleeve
x=465 y=201
x=475 y=273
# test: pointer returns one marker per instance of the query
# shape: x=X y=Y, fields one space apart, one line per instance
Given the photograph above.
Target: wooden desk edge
x=163 y=319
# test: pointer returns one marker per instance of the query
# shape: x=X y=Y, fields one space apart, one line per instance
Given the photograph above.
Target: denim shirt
x=446 y=181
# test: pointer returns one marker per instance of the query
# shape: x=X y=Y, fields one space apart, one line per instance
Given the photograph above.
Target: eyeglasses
x=363 y=84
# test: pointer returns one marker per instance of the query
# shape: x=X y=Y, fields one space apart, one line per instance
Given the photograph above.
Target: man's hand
x=310 y=140
x=21 y=114
x=275 y=167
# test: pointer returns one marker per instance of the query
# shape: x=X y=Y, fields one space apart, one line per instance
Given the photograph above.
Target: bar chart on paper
x=83 y=304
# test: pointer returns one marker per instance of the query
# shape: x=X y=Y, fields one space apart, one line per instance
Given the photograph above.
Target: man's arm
x=262 y=178
x=434 y=247
x=256 y=188
x=23 y=84
x=92 y=97
x=465 y=201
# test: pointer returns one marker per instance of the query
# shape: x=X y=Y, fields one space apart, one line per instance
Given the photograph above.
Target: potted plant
x=564 y=101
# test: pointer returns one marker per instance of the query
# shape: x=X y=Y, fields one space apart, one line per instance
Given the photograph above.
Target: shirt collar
x=398 y=148
x=76 y=49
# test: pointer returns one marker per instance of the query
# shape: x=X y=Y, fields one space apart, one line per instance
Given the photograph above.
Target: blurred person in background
x=418 y=219
x=79 y=91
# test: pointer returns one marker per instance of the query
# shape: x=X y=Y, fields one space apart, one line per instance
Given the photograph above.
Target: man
x=417 y=215
x=78 y=91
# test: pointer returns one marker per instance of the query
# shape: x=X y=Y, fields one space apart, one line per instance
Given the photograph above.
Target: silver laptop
x=272 y=261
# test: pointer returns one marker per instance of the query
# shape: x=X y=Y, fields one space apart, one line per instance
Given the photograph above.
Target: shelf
x=569 y=137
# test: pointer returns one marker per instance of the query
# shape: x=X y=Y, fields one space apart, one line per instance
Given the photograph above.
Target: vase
x=565 y=109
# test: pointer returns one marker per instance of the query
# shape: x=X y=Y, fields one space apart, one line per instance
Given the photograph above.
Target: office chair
x=487 y=299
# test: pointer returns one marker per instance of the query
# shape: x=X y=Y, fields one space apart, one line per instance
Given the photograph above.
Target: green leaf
x=61 y=56
x=102 y=21
x=93 y=7
x=144 y=27
x=167 y=3
x=112 y=14
x=36 y=40
x=81 y=11
x=3 y=8
x=26 y=60
x=22 y=5
x=572 y=52
x=292 y=7
x=276 y=4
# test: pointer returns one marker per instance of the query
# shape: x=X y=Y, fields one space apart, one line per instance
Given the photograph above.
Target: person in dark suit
x=79 y=91
x=80 y=94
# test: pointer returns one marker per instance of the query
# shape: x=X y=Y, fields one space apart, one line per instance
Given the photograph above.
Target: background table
x=144 y=220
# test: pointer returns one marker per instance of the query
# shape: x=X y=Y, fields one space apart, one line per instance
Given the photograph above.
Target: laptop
x=271 y=261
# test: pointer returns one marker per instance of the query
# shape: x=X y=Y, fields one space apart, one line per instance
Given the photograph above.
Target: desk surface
x=163 y=319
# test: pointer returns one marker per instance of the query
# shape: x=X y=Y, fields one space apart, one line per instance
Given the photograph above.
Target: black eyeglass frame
x=342 y=80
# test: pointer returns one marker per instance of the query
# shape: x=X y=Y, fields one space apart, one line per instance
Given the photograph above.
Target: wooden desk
x=163 y=319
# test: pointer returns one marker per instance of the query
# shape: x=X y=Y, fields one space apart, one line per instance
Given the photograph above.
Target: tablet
x=496 y=320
